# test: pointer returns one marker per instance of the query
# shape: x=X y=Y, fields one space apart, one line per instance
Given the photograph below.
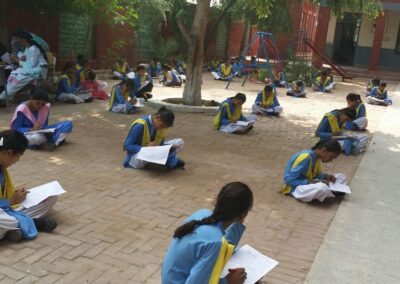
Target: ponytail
x=234 y=200
x=189 y=227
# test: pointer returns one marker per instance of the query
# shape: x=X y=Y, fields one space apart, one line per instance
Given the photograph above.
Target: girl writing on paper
x=149 y=131
x=143 y=83
x=68 y=90
x=97 y=88
x=122 y=98
x=207 y=239
x=171 y=77
x=361 y=122
x=17 y=222
x=303 y=177
x=267 y=102
x=331 y=127
x=379 y=96
x=230 y=112
x=33 y=115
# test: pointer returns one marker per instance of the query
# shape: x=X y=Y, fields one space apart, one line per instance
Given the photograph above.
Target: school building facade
x=354 y=40
x=359 y=41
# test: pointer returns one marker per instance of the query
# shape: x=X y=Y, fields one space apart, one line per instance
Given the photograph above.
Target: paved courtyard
x=115 y=224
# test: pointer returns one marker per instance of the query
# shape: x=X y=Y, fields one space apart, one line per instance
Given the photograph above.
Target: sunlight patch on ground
x=56 y=161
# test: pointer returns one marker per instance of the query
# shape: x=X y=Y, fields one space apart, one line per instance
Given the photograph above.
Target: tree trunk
x=194 y=69
x=246 y=34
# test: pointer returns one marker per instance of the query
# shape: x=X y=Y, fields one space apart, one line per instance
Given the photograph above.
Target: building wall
x=330 y=37
x=387 y=59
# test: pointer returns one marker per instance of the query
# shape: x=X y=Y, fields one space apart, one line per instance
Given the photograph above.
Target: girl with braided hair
x=207 y=239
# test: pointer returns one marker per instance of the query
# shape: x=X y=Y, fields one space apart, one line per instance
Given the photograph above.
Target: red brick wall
x=104 y=37
x=44 y=26
x=235 y=38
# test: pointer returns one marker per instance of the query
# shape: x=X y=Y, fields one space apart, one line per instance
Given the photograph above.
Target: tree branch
x=183 y=30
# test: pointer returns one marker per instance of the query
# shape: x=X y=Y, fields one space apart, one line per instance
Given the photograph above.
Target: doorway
x=346 y=38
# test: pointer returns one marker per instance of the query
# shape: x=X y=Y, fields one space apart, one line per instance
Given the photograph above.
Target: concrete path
x=362 y=244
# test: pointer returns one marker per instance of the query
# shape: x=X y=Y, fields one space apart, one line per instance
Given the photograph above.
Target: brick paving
x=115 y=224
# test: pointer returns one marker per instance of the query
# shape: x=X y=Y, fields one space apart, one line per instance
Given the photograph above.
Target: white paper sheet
x=244 y=123
x=155 y=154
x=48 y=130
x=40 y=193
x=339 y=187
x=177 y=142
x=256 y=264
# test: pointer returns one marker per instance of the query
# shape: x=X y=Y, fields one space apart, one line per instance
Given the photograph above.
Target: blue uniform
x=324 y=131
x=133 y=143
x=361 y=112
x=224 y=115
x=116 y=98
x=298 y=175
x=274 y=104
x=23 y=125
x=191 y=259
x=138 y=83
x=64 y=86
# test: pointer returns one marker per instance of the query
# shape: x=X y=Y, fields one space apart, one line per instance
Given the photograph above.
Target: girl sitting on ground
x=372 y=84
x=207 y=239
x=171 y=77
x=67 y=88
x=34 y=115
x=224 y=71
x=379 y=96
x=230 y=112
x=149 y=131
x=323 y=83
x=361 y=122
x=297 y=90
x=122 y=99
x=267 y=102
x=303 y=177
x=16 y=221
x=97 y=88
x=143 y=83
x=331 y=127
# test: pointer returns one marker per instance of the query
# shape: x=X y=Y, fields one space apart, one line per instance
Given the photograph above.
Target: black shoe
x=13 y=236
x=149 y=96
x=45 y=224
x=48 y=146
x=180 y=165
x=89 y=100
x=337 y=193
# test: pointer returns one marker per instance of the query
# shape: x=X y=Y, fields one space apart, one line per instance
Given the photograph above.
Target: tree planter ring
x=156 y=104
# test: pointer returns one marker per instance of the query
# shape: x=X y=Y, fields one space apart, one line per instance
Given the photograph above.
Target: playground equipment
x=265 y=59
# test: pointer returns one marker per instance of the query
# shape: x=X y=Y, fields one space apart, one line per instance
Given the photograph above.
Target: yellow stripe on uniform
x=312 y=171
x=333 y=123
x=231 y=116
x=9 y=187
x=160 y=134
x=224 y=255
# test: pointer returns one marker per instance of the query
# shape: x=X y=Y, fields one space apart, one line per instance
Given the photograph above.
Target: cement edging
x=182 y=108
